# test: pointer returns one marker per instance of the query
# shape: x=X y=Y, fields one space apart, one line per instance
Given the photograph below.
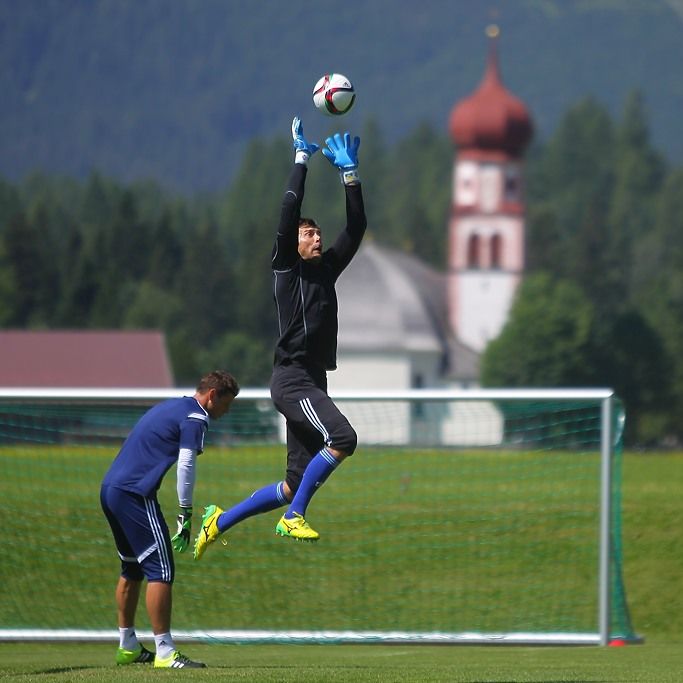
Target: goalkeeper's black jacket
x=305 y=297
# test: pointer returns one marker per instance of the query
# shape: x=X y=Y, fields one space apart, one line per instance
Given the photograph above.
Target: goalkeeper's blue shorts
x=140 y=533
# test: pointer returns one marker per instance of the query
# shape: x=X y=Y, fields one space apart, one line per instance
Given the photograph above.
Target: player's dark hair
x=220 y=380
x=308 y=222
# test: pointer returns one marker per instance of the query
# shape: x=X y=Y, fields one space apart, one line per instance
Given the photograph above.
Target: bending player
x=172 y=431
x=319 y=437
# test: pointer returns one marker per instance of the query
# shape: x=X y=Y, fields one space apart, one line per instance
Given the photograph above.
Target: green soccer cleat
x=209 y=530
x=296 y=527
x=177 y=661
x=140 y=656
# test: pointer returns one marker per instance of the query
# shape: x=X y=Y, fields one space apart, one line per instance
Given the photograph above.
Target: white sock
x=164 y=643
x=128 y=639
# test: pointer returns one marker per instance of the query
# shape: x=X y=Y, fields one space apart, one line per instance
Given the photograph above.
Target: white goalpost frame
x=605 y=397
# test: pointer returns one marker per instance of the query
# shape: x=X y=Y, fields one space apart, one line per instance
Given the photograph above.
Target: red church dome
x=492 y=119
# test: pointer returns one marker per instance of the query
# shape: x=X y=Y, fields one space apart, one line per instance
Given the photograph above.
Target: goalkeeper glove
x=182 y=539
x=303 y=149
x=343 y=153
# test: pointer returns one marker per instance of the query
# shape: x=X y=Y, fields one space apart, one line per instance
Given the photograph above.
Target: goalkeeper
x=172 y=431
x=319 y=437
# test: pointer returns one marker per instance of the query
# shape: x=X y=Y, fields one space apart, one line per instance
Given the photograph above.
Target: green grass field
x=651 y=663
x=456 y=544
x=652 y=511
x=37 y=579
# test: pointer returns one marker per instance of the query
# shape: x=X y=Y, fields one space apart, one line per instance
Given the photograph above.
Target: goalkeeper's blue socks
x=272 y=496
x=315 y=475
x=268 y=498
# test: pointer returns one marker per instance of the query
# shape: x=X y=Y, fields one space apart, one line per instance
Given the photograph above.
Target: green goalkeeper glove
x=182 y=539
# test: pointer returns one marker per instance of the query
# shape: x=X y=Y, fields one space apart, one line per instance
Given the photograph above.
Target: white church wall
x=472 y=423
x=375 y=423
x=484 y=300
x=385 y=370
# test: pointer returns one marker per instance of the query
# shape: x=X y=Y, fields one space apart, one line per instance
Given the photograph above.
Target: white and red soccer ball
x=334 y=94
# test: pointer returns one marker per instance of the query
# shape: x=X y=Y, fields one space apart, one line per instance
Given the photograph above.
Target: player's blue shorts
x=141 y=535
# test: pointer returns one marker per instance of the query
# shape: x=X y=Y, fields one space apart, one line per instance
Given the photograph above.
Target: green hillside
x=173 y=89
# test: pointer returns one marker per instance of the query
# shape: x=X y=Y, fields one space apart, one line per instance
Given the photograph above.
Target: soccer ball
x=334 y=94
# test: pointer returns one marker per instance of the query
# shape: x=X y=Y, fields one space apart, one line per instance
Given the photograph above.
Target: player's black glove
x=182 y=539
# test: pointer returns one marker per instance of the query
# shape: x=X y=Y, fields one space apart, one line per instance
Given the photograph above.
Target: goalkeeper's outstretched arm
x=342 y=153
x=285 y=250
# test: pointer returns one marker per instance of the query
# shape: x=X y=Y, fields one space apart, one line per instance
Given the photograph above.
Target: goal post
x=465 y=516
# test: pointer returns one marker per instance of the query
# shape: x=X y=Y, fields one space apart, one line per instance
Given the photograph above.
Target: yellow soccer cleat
x=296 y=527
x=177 y=661
x=209 y=531
x=140 y=656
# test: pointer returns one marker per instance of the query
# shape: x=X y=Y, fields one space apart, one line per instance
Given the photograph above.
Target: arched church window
x=473 y=251
x=496 y=251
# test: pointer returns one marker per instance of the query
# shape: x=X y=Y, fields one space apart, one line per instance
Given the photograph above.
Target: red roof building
x=84 y=359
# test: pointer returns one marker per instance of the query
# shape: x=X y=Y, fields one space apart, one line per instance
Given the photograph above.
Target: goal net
x=464 y=516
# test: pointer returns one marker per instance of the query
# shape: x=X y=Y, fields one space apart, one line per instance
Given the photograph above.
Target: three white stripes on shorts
x=313 y=418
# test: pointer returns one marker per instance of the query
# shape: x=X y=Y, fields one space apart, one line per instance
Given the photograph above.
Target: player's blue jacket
x=152 y=446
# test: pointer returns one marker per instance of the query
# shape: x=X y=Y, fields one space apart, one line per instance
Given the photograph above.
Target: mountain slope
x=174 y=89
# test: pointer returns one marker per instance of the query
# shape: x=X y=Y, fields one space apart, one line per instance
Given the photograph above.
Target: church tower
x=491 y=129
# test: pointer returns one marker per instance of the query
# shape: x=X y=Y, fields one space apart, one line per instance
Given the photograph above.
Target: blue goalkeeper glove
x=182 y=539
x=303 y=149
x=343 y=153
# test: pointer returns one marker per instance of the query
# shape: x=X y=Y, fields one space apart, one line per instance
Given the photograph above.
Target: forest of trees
x=601 y=303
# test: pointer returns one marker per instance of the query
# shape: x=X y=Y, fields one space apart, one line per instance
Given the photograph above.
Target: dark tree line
x=602 y=303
